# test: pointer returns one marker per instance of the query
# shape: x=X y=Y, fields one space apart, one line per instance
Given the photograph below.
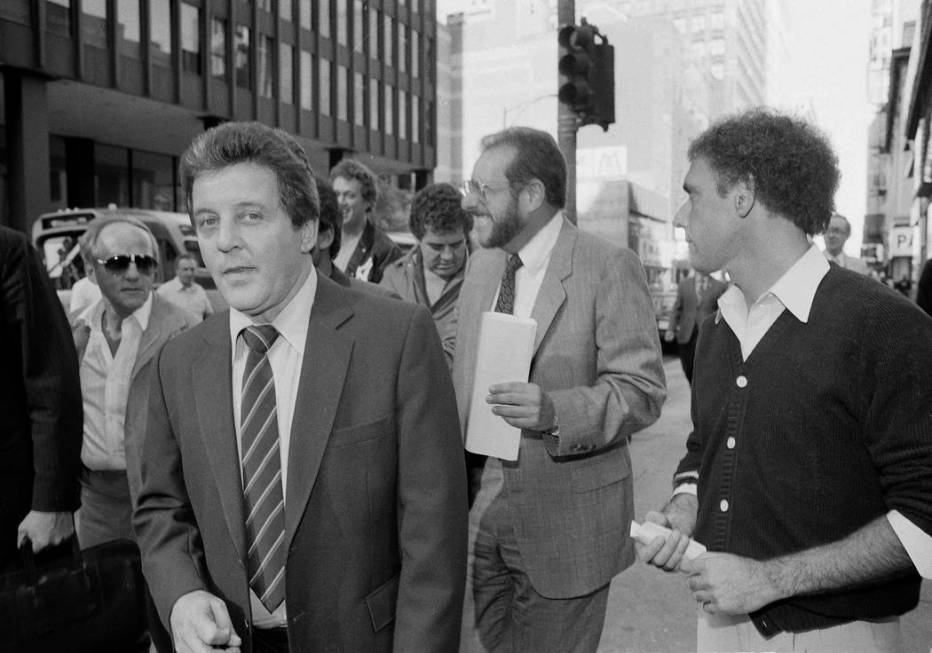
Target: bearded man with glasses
x=117 y=337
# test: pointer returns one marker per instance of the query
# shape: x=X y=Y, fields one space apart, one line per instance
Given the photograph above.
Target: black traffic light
x=587 y=72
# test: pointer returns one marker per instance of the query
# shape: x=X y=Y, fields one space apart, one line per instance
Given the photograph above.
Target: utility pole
x=566 y=119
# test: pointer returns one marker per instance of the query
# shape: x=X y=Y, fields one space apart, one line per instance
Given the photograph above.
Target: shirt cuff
x=917 y=542
x=686 y=488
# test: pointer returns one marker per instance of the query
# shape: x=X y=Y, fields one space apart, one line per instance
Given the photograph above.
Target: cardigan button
x=742 y=381
x=723 y=505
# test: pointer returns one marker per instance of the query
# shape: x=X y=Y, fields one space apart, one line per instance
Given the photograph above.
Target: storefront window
x=153 y=181
x=111 y=175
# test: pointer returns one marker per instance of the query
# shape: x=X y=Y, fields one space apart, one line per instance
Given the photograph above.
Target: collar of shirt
x=291 y=323
x=536 y=253
x=93 y=314
x=794 y=291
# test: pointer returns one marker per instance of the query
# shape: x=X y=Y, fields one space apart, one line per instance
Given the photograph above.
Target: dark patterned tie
x=506 y=294
x=262 y=471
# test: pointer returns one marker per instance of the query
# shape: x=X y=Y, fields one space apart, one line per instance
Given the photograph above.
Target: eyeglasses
x=120 y=263
x=471 y=186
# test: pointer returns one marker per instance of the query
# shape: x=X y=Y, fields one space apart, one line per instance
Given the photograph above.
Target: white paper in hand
x=506 y=345
x=646 y=532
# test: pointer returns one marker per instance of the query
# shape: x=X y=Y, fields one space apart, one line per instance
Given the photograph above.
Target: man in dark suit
x=40 y=405
x=696 y=299
x=548 y=530
x=301 y=485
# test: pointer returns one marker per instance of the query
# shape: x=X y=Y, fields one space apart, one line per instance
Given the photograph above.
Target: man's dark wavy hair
x=791 y=163
x=537 y=156
x=439 y=207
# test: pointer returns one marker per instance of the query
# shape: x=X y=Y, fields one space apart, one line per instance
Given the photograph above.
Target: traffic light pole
x=566 y=121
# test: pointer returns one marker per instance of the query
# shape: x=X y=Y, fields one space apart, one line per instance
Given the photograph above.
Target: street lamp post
x=567 y=122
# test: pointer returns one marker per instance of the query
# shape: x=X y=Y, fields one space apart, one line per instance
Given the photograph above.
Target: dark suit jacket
x=924 y=289
x=40 y=393
x=375 y=503
x=374 y=251
x=688 y=311
x=597 y=356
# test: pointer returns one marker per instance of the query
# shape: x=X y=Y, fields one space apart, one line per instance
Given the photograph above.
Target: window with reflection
x=285 y=73
x=374 y=33
x=284 y=10
x=342 y=93
x=415 y=119
x=415 y=54
x=94 y=22
x=218 y=48
x=307 y=80
x=402 y=47
x=388 y=110
x=359 y=104
x=58 y=17
x=387 y=41
x=128 y=20
x=190 y=38
x=374 y=104
x=323 y=18
x=265 y=68
x=323 y=87
x=160 y=15
x=359 y=12
x=402 y=114
x=241 y=57
x=153 y=181
x=342 y=22
x=111 y=175
x=304 y=13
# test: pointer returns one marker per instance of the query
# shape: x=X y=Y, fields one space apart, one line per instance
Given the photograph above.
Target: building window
x=387 y=40
x=111 y=175
x=218 y=48
x=285 y=74
x=264 y=5
x=241 y=57
x=304 y=14
x=160 y=29
x=128 y=20
x=153 y=181
x=58 y=17
x=374 y=104
x=342 y=22
x=389 y=100
x=342 y=93
x=285 y=10
x=429 y=123
x=265 y=68
x=402 y=47
x=359 y=103
x=94 y=23
x=323 y=88
x=307 y=79
x=415 y=54
x=402 y=115
x=415 y=119
x=359 y=11
x=323 y=18
x=373 y=33
x=190 y=38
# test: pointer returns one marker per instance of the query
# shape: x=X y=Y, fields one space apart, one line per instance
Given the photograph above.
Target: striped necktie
x=506 y=294
x=262 y=471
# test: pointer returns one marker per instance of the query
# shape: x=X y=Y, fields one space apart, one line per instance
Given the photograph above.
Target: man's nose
x=227 y=235
x=681 y=219
x=132 y=272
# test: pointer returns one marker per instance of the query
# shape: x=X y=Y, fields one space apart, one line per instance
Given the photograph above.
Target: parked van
x=56 y=235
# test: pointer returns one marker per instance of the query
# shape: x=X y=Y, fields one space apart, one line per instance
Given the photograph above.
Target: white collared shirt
x=795 y=291
x=286 y=356
x=535 y=257
x=105 y=385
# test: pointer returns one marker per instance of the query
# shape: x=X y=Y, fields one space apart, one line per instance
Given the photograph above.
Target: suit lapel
x=326 y=359
x=213 y=397
x=153 y=335
x=552 y=294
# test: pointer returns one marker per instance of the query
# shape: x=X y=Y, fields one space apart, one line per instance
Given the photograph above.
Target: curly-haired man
x=432 y=273
x=808 y=474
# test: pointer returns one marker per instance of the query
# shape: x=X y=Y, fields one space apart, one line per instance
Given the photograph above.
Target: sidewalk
x=650 y=611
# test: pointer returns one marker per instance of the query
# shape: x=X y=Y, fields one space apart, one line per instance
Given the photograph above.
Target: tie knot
x=514 y=262
x=260 y=338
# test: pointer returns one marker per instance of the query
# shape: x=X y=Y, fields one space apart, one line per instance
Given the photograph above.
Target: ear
x=745 y=196
x=534 y=195
x=90 y=271
x=324 y=238
x=307 y=236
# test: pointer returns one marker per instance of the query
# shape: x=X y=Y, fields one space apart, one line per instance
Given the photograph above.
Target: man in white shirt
x=184 y=292
x=116 y=337
x=808 y=474
x=836 y=235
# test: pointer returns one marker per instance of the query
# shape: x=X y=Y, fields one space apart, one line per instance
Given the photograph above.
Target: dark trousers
x=687 y=352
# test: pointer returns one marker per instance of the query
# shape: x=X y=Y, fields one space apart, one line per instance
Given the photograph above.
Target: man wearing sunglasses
x=117 y=337
x=548 y=529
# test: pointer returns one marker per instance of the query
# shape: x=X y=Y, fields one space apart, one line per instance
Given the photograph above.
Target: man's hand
x=729 y=584
x=523 y=405
x=45 y=529
x=200 y=623
x=679 y=515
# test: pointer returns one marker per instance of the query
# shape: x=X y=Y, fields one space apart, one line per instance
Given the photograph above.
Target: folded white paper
x=646 y=532
x=506 y=345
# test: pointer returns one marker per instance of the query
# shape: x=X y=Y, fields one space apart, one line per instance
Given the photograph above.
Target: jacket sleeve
x=51 y=383
x=431 y=497
x=629 y=386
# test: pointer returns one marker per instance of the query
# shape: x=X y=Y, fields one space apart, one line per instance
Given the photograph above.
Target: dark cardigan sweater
x=826 y=426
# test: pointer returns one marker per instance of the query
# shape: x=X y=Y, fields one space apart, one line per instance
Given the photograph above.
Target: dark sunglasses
x=120 y=263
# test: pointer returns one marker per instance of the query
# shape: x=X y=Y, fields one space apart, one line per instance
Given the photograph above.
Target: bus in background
x=56 y=235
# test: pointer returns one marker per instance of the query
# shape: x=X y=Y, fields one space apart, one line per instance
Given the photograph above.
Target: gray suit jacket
x=597 y=356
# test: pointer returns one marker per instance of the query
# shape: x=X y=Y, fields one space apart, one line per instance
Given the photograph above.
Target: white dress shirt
x=535 y=256
x=105 y=385
x=286 y=356
x=795 y=292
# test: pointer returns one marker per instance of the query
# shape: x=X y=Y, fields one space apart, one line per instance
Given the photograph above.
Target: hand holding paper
x=645 y=533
